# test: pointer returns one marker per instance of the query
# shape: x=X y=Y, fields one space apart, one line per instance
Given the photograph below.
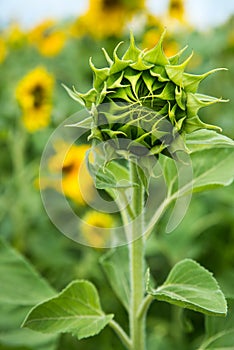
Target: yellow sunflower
x=47 y=39
x=106 y=18
x=76 y=181
x=176 y=9
x=3 y=50
x=92 y=223
x=153 y=21
x=34 y=95
x=176 y=17
x=15 y=36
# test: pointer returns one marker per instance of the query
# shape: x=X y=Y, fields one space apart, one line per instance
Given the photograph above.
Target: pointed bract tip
x=175 y=58
x=107 y=57
x=116 y=48
x=163 y=35
x=91 y=63
x=187 y=60
x=132 y=38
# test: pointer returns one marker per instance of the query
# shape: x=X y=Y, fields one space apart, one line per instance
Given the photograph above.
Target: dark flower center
x=38 y=94
x=175 y=5
x=110 y=4
x=67 y=169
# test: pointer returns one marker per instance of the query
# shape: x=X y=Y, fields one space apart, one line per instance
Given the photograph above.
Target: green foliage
x=210 y=157
x=191 y=286
x=206 y=139
x=76 y=310
x=206 y=233
x=219 y=333
x=29 y=339
x=118 y=274
x=14 y=269
x=21 y=288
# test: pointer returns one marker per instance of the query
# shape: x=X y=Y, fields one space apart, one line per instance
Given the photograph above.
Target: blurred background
x=46 y=43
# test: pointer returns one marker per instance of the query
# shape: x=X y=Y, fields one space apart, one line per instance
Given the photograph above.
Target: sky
x=201 y=13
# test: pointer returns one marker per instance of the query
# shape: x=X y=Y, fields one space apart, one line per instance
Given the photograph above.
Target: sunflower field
x=38 y=68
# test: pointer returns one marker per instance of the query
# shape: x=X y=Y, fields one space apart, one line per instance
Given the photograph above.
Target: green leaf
x=12 y=335
x=219 y=331
x=215 y=324
x=191 y=286
x=76 y=310
x=200 y=171
x=29 y=338
x=206 y=139
x=220 y=341
x=20 y=283
x=110 y=175
x=210 y=168
x=106 y=179
x=21 y=288
x=118 y=273
x=226 y=281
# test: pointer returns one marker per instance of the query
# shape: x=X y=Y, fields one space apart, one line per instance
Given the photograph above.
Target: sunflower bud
x=138 y=95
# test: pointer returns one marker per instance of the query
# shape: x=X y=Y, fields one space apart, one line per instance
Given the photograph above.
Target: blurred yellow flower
x=47 y=39
x=15 y=36
x=106 y=18
x=176 y=17
x=171 y=47
x=91 y=228
x=176 y=9
x=230 y=38
x=3 y=50
x=76 y=182
x=153 y=21
x=34 y=95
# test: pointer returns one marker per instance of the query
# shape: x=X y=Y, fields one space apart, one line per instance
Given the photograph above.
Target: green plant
x=144 y=123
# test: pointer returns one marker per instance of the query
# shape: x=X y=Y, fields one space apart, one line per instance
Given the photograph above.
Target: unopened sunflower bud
x=137 y=92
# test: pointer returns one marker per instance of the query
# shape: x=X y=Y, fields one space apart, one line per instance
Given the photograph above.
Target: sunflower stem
x=17 y=152
x=121 y=334
x=144 y=306
x=136 y=255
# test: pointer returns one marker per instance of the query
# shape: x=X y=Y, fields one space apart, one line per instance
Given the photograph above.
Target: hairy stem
x=121 y=334
x=144 y=306
x=137 y=268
